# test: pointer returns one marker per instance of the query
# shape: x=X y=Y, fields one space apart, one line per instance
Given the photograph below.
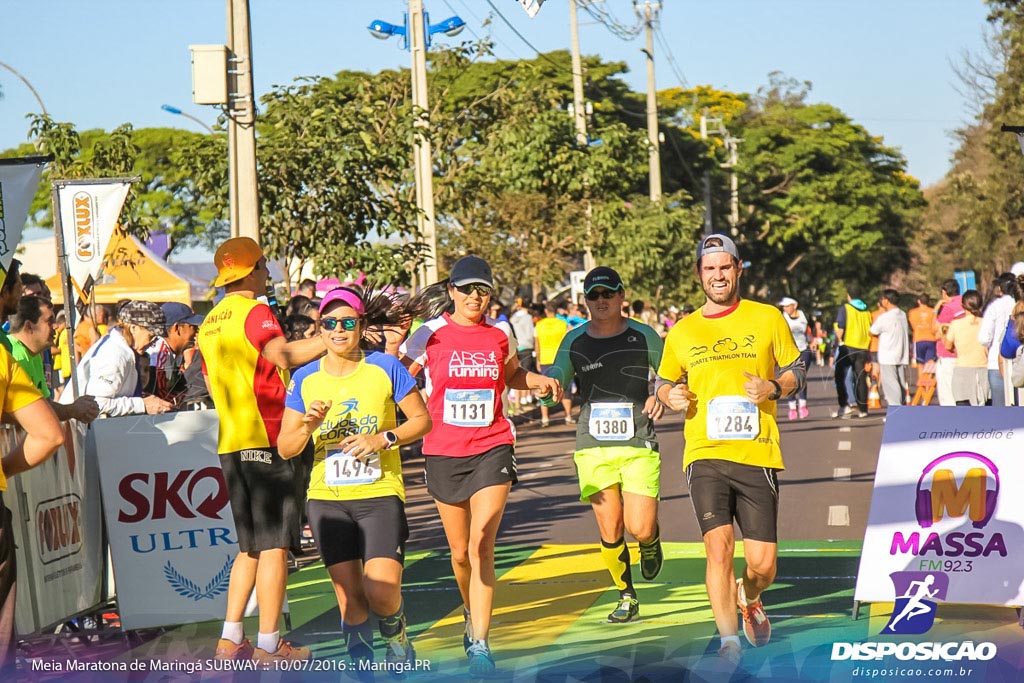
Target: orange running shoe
x=285 y=652
x=227 y=649
x=756 y=626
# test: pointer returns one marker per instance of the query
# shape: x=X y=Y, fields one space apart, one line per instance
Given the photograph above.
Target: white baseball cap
x=1017 y=268
x=787 y=301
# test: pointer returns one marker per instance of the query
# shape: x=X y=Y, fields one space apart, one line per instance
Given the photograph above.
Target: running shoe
x=651 y=559
x=756 y=626
x=229 y=650
x=792 y=413
x=545 y=423
x=285 y=652
x=844 y=412
x=398 y=651
x=627 y=610
x=467 y=634
x=570 y=421
x=481 y=663
x=862 y=413
x=804 y=413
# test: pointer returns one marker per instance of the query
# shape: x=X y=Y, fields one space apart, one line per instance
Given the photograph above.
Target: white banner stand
x=946 y=502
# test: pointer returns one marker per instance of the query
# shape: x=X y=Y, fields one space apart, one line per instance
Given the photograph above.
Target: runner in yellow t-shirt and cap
x=725 y=367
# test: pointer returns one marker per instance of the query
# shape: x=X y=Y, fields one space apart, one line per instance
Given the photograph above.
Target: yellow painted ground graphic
x=534 y=603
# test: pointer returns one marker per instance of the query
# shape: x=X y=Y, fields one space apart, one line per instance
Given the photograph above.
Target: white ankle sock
x=730 y=639
x=233 y=631
x=268 y=641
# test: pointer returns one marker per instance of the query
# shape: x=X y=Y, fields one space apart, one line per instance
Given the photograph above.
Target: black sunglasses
x=603 y=294
x=482 y=290
x=347 y=324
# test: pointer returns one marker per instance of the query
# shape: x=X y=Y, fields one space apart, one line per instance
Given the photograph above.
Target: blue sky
x=886 y=63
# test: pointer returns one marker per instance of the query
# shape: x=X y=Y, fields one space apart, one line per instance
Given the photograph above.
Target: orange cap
x=235 y=259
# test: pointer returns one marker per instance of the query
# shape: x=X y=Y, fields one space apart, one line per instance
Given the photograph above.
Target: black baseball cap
x=602 y=276
x=715 y=243
x=471 y=269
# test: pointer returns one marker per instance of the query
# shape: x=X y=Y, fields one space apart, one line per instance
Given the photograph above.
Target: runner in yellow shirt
x=725 y=367
x=549 y=332
x=346 y=402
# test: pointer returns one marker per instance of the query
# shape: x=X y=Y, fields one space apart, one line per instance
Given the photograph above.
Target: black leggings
x=855 y=359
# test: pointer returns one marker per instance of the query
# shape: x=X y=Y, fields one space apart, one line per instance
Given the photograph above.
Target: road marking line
x=842 y=473
x=845 y=446
x=844 y=429
x=838 y=515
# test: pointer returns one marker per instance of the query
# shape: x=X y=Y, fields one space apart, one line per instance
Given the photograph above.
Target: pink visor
x=344 y=295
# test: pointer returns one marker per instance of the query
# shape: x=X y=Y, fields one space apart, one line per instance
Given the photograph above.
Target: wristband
x=777 y=394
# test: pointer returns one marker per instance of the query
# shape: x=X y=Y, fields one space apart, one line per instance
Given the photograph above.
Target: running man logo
x=959 y=486
x=349 y=405
x=478 y=364
x=916 y=592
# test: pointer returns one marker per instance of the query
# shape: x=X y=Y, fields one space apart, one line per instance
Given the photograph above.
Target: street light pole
x=25 y=81
x=423 y=159
x=174 y=110
x=243 y=190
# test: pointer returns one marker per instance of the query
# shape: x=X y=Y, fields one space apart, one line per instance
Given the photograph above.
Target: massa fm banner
x=946 y=510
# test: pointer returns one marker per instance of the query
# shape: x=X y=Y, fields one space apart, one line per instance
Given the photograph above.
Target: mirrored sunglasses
x=347 y=324
x=482 y=290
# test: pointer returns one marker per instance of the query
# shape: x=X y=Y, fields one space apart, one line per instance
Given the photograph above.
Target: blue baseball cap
x=180 y=313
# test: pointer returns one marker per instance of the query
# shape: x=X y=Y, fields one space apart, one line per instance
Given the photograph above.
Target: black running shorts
x=263 y=488
x=527 y=361
x=454 y=480
x=722 y=491
x=364 y=529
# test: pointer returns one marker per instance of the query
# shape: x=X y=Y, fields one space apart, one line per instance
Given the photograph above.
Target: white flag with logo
x=88 y=216
x=19 y=180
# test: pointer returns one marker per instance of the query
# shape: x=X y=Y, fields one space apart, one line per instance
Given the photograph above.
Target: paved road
x=545 y=508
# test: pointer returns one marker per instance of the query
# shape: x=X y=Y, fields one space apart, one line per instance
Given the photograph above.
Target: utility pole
x=424 y=166
x=580 y=116
x=732 y=146
x=707 y=178
x=242 y=188
x=654 y=143
x=577 y=79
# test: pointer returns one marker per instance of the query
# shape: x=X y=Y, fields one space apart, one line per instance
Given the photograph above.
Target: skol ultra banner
x=19 y=180
x=946 y=521
x=88 y=215
x=172 y=536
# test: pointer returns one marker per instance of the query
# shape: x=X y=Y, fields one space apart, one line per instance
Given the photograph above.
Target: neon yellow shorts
x=635 y=470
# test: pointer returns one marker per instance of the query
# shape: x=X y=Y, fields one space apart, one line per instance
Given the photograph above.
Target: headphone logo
x=939 y=495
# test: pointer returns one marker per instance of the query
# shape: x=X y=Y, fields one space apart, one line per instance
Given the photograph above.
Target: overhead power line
x=522 y=37
x=596 y=9
x=670 y=58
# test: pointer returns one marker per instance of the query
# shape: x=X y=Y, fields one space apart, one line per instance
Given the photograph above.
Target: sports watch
x=391 y=438
x=777 y=394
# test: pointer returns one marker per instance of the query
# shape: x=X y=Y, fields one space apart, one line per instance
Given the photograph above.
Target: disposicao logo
x=914 y=614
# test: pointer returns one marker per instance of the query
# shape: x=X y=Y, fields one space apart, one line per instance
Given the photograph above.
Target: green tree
x=826 y=201
x=975 y=218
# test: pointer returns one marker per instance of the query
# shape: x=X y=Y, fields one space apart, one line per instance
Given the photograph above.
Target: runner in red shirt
x=470 y=463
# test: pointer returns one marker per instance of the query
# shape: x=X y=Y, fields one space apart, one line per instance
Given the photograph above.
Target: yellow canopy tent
x=131 y=271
